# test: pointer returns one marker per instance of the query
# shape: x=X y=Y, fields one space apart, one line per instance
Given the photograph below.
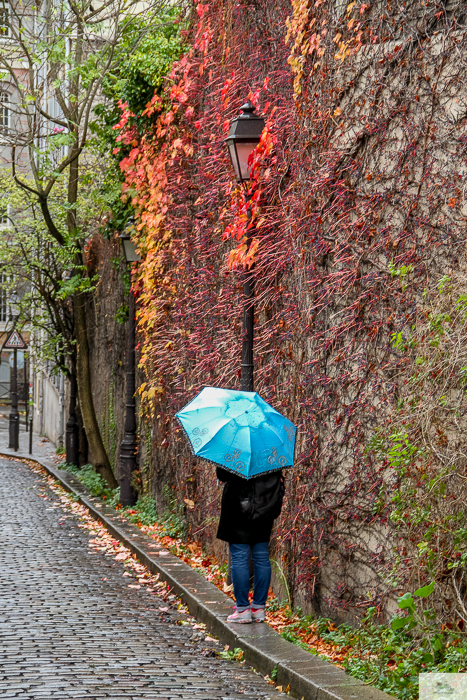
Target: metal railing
x=5 y=392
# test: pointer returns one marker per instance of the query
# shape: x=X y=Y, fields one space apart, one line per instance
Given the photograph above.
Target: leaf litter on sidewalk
x=279 y=616
x=102 y=542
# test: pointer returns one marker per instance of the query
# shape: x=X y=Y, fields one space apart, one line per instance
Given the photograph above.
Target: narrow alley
x=70 y=626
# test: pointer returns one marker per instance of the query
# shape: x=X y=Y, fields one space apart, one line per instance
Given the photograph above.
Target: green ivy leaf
x=425 y=591
x=399 y=622
x=406 y=601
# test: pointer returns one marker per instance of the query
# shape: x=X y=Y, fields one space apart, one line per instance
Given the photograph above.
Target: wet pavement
x=70 y=627
x=42 y=448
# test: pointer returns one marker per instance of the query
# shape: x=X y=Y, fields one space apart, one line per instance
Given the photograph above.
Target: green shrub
x=95 y=484
x=146 y=512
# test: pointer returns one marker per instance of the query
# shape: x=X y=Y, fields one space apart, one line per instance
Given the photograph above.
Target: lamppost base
x=72 y=427
x=13 y=430
x=128 y=465
x=72 y=444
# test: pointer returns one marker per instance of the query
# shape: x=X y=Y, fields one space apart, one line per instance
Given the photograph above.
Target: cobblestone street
x=71 y=628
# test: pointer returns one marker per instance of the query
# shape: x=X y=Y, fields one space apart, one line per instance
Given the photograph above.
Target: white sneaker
x=257 y=615
x=241 y=617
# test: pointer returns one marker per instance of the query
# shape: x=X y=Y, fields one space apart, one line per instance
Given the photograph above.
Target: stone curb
x=310 y=677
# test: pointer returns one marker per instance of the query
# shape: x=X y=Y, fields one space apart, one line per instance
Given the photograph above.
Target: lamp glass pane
x=244 y=150
x=233 y=158
x=130 y=251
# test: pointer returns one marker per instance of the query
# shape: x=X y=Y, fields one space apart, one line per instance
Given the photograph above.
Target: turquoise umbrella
x=239 y=431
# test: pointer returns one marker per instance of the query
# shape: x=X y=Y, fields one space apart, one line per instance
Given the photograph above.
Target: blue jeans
x=241 y=573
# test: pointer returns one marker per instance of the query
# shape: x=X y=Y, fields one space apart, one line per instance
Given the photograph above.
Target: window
x=4 y=113
x=4 y=19
x=3 y=298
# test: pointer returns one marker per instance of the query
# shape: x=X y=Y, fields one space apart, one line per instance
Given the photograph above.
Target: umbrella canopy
x=239 y=431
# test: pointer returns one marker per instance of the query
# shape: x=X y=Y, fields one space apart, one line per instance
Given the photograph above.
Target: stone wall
x=359 y=205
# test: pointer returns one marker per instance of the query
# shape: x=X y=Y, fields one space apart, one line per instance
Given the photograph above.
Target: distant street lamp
x=128 y=444
x=244 y=135
x=72 y=427
x=129 y=248
x=13 y=423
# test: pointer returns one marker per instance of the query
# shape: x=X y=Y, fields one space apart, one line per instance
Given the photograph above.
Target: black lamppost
x=128 y=444
x=14 y=415
x=72 y=428
x=244 y=135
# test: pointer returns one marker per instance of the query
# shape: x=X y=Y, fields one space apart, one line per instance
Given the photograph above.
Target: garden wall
x=357 y=203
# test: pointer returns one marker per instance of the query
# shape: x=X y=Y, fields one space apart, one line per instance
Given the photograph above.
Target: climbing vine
x=359 y=174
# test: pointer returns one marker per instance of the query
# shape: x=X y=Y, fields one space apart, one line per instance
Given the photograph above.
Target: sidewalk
x=42 y=448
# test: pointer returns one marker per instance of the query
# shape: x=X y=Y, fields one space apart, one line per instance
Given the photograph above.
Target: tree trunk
x=86 y=404
x=100 y=458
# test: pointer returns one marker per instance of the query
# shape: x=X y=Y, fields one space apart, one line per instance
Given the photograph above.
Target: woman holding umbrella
x=250 y=443
x=248 y=511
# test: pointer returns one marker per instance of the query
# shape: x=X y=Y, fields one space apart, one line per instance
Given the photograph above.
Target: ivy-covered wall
x=357 y=204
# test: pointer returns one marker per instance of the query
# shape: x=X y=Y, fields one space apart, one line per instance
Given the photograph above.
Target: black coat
x=249 y=507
